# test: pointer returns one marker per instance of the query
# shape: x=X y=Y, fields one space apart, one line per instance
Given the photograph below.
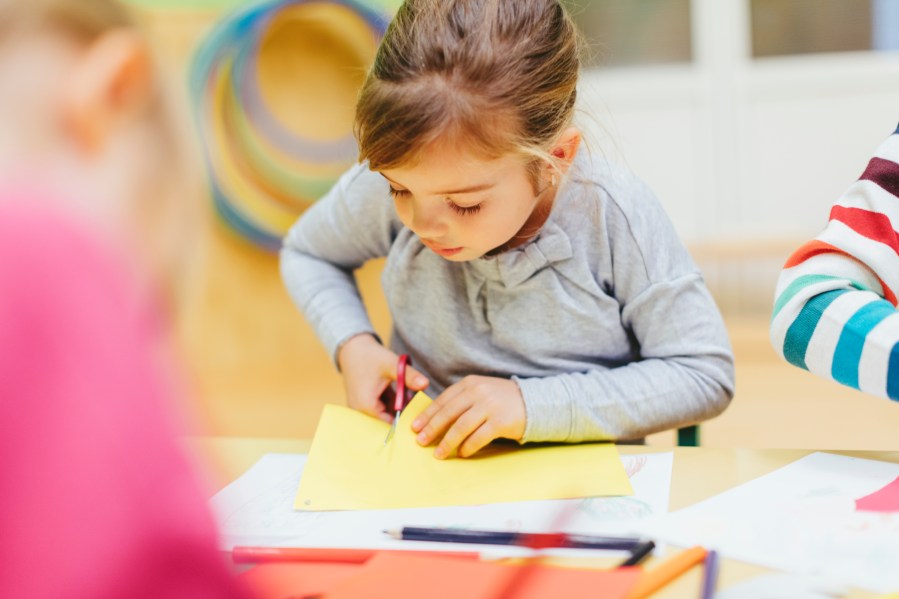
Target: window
x=787 y=27
x=633 y=32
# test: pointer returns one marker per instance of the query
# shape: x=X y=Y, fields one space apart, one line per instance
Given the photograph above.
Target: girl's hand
x=471 y=414
x=368 y=368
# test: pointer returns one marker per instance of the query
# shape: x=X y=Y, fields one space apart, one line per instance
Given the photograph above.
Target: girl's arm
x=685 y=370
x=835 y=308
x=351 y=224
x=685 y=374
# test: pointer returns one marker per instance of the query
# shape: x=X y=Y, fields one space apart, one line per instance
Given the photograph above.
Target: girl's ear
x=110 y=83
x=565 y=148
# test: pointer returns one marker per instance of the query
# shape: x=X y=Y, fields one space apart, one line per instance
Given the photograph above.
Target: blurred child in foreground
x=98 y=499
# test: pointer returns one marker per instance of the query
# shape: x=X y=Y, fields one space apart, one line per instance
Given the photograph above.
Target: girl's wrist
x=352 y=344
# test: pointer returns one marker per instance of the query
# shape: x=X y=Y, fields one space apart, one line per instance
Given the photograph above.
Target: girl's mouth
x=442 y=250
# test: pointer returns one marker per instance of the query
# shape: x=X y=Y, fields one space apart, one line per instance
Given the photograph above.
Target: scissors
x=399 y=401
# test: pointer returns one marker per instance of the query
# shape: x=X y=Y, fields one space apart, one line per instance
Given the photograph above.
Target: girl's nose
x=426 y=222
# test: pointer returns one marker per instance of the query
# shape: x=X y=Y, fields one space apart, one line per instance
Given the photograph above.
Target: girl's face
x=461 y=207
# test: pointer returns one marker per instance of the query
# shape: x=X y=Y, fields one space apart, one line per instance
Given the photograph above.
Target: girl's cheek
x=403 y=212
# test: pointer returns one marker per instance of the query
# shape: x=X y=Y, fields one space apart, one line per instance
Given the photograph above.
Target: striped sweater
x=835 y=309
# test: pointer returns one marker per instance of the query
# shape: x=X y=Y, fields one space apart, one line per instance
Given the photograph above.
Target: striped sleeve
x=835 y=305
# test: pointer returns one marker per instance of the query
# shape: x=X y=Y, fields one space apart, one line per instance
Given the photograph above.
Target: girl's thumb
x=416 y=380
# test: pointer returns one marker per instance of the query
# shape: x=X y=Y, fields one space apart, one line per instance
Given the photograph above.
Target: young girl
x=541 y=292
x=98 y=499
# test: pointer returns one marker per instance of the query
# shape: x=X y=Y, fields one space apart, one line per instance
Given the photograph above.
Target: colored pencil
x=639 y=554
x=243 y=555
x=532 y=540
x=710 y=576
x=654 y=579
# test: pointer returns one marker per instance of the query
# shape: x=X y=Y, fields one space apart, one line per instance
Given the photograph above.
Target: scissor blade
x=392 y=430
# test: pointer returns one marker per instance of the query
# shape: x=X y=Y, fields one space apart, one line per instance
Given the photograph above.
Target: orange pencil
x=652 y=580
x=243 y=555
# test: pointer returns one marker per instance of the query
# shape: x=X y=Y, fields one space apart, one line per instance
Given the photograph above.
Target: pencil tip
x=392 y=532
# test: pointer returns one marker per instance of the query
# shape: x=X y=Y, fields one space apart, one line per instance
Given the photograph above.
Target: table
x=698 y=473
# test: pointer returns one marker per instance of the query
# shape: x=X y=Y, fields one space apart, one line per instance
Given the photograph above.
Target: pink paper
x=296 y=579
x=413 y=577
x=885 y=499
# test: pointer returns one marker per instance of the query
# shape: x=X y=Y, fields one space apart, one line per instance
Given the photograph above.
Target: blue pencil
x=533 y=540
x=638 y=554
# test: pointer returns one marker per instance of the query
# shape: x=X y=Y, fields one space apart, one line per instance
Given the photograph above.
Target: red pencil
x=243 y=555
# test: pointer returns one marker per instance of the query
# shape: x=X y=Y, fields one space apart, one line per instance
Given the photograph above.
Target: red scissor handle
x=400 y=400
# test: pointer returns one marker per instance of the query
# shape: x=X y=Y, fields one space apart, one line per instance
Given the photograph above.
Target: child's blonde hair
x=166 y=206
x=496 y=76
x=86 y=20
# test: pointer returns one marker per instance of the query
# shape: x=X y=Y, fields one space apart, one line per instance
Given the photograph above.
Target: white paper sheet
x=801 y=519
x=783 y=586
x=257 y=509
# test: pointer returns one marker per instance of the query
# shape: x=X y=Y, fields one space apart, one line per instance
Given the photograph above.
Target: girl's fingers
x=425 y=417
x=376 y=409
x=467 y=423
x=438 y=417
x=388 y=418
x=366 y=397
x=380 y=410
x=415 y=380
x=477 y=440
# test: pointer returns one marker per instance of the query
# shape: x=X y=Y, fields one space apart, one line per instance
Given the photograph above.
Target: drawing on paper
x=614 y=508
x=633 y=464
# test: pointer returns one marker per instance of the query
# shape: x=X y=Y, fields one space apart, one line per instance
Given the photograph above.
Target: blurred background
x=747 y=117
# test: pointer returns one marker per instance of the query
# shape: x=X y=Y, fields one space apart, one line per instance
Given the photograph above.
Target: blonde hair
x=495 y=76
x=87 y=19
x=164 y=207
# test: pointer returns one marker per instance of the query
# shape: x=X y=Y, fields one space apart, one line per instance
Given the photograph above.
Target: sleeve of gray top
x=353 y=223
x=685 y=373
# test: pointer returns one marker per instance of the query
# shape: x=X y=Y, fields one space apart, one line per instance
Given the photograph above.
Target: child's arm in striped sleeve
x=835 y=309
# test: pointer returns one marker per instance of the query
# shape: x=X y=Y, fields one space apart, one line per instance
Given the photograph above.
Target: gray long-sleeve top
x=602 y=319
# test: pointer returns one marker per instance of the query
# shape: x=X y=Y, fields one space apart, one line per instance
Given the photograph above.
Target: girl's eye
x=398 y=193
x=464 y=210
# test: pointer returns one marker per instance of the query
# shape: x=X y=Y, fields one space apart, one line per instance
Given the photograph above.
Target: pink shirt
x=96 y=498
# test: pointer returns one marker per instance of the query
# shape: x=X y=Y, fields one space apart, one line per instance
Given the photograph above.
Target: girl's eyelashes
x=464 y=210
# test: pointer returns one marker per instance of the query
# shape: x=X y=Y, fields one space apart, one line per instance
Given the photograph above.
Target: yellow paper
x=350 y=468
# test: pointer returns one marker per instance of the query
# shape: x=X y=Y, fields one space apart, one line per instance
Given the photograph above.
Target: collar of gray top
x=519 y=264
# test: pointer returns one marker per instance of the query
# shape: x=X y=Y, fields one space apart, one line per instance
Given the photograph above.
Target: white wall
x=746 y=155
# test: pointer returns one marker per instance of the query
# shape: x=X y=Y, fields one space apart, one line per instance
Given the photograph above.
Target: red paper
x=885 y=499
x=413 y=577
x=296 y=579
